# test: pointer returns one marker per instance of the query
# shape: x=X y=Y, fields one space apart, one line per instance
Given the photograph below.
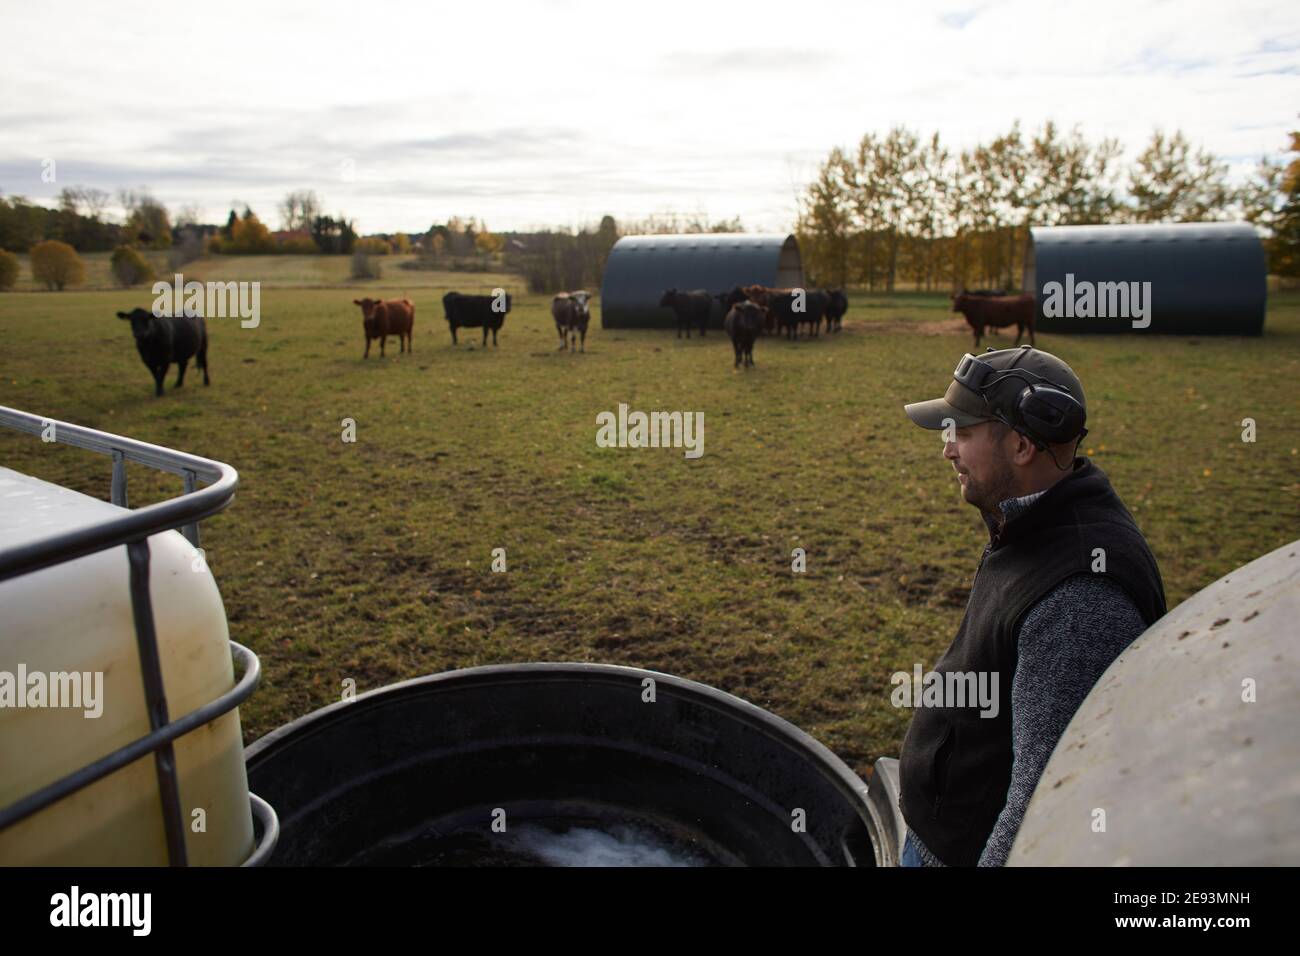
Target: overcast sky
x=554 y=113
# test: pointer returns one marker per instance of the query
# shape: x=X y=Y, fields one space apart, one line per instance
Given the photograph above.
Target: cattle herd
x=750 y=312
x=754 y=310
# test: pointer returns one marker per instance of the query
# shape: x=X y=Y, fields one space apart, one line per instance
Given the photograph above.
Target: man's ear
x=1024 y=448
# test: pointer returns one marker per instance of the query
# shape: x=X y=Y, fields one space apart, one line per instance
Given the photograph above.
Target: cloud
x=526 y=113
x=957 y=19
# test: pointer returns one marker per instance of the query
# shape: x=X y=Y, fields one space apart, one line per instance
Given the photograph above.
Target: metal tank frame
x=133 y=529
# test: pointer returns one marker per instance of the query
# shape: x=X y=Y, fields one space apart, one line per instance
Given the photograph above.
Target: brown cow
x=572 y=314
x=996 y=312
x=384 y=318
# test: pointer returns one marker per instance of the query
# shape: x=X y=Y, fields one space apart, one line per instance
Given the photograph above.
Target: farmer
x=1065 y=583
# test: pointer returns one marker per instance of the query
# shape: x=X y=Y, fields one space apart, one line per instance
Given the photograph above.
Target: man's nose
x=950 y=450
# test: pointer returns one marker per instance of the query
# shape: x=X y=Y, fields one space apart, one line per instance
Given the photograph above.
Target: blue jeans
x=911 y=856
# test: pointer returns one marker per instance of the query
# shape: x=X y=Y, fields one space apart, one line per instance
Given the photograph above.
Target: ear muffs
x=1048 y=415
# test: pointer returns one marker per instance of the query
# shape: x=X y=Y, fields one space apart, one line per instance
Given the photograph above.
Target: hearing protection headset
x=1044 y=411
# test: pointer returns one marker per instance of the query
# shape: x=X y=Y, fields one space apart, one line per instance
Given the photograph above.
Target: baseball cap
x=966 y=406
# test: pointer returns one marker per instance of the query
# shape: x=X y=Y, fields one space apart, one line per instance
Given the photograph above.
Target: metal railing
x=133 y=529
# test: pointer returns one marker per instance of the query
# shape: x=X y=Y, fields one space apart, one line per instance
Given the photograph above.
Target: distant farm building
x=640 y=268
x=1203 y=278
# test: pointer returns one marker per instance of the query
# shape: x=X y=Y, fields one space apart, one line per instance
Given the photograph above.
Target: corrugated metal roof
x=1217 y=232
x=1206 y=278
x=640 y=268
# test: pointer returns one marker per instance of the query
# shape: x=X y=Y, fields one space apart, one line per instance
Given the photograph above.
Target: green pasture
x=372 y=560
x=288 y=271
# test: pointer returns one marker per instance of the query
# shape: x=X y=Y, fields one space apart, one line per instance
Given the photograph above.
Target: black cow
x=728 y=299
x=837 y=303
x=692 y=307
x=487 y=312
x=166 y=339
x=786 y=304
x=744 y=324
x=780 y=310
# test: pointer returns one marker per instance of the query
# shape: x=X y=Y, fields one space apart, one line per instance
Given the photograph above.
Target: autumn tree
x=147 y=223
x=1171 y=182
x=56 y=265
x=8 y=270
x=1271 y=200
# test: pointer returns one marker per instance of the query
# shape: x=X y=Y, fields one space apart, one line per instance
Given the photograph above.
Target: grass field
x=372 y=560
x=320 y=272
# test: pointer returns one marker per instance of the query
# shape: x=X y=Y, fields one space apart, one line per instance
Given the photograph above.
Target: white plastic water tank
x=1185 y=753
x=77 y=617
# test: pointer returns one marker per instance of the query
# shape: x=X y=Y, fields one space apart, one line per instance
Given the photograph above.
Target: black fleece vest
x=955 y=766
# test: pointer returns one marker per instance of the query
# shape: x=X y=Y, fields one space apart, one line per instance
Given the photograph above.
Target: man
x=1065 y=583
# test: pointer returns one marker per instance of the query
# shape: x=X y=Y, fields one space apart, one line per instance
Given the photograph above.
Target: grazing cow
x=381 y=319
x=692 y=307
x=744 y=324
x=996 y=312
x=487 y=312
x=836 y=305
x=572 y=313
x=166 y=339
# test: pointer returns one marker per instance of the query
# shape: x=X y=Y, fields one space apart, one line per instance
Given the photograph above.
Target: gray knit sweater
x=1066 y=642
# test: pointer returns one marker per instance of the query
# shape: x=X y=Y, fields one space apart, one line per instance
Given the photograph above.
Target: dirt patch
x=896 y=326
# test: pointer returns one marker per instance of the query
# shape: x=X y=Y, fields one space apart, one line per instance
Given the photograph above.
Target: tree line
x=552 y=260
x=903 y=209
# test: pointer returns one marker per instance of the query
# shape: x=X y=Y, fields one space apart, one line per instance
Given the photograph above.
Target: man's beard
x=997 y=488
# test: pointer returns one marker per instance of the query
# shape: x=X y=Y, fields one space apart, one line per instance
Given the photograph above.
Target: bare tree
x=298 y=210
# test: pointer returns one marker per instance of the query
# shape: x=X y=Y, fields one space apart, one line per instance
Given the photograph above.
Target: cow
x=836 y=305
x=162 y=340
x=380 y=319
x=728 y=299
x=572 y=313
x=758 y=295
x=814 y=307
x=487 y=312
x=692 y=307
x=987 y=293
x=744 y=324
x=792 y=308
x=996 y=312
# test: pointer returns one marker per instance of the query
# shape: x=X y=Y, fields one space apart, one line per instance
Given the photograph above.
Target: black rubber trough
x=558 y=764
